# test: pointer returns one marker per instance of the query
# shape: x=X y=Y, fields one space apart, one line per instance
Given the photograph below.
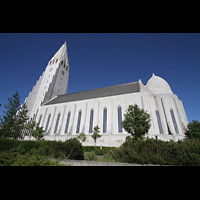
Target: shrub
x=98 y=151
x=26 y=146
x=193 y=130
x=8 y=144
x=91 y=156
x=16 y=159
x=152 y=151
x=73 y=149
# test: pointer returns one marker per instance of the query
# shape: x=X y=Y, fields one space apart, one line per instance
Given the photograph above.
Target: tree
x=33 y=130
x=14 y=117
x=15 y=122
x=21 y=119
x=193 y=130
x=136 y=121
x=81 y=137
x=95 y=135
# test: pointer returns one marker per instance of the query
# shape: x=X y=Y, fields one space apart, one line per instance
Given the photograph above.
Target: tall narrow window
x=57 y=121
x=67 y=123
x=120 y=119
x=104 y=120
x=91 y=120
x=40 y=119
x=47 y=124
x=79 y=122
x=174 y=121
x=159 y=122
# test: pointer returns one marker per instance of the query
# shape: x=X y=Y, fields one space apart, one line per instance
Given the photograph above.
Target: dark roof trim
x=96 y=93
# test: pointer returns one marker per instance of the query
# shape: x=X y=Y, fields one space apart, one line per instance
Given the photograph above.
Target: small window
x=40 y=119
x=50 y=62
x=174 y=121
x=53 y=62
x=57 y=122
x=120 y=119
x=159 y=122
x=105 y=120
x=91 y=120
x=67 y=123
x=56 y=60
x=79 y=122
x=47 y=124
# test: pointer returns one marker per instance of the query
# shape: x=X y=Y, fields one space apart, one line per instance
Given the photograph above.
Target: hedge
x=71 y=149
x=151 y=151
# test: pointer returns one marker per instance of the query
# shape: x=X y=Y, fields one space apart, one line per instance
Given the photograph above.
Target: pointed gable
x=60 y=55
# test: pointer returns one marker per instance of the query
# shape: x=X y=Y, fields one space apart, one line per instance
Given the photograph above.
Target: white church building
x=64 y=116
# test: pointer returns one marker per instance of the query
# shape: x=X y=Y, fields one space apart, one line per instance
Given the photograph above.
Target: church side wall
x=112 y=137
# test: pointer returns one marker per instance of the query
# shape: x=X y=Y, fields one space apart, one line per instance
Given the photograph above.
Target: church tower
x=53 y=82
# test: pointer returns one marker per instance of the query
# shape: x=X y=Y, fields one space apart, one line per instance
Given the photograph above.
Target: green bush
x=91 y=156
x=98 y=151
x=152 y=151
x=16 y=159
x=7 y=144
x=72 y=148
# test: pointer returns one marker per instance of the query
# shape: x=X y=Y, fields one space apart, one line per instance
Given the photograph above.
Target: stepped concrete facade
x=64 y=116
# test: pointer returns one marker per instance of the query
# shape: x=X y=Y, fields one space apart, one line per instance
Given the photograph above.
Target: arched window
x=47 y=124
x=105 y=120
x=120 y=119
x=174 y=121
x=159 y=122
x=79 y=122
x=91 y=120
x=57 y=122
x=67 y=123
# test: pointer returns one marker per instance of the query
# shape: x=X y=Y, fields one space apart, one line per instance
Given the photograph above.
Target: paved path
x=98 y=163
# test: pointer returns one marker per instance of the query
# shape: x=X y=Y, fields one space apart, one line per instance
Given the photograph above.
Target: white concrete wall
x=156 y=95
x=150 y=102
x=51 y=83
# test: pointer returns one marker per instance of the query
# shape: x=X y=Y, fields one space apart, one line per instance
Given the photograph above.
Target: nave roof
x=96 y=93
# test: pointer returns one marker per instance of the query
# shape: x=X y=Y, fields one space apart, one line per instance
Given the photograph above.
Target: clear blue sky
x=104 y=59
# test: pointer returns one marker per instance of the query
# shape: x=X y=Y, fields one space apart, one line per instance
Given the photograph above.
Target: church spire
x=61 y=53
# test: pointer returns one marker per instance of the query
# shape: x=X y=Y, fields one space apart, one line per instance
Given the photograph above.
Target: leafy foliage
x=71 y=149
x=95 y=135
x=32 y=129
x=16 y=159
x=136 y=121
x=193 y=130
x=159 y=152
x=91 y=156
x=14 y=118
x=15 y=122
x=82 y=137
